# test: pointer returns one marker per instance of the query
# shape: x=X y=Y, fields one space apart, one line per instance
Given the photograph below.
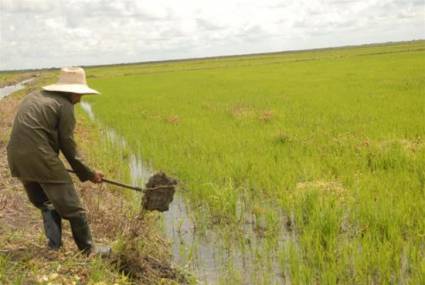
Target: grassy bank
x=321 y=153
x=140 y=253
x=10 y=78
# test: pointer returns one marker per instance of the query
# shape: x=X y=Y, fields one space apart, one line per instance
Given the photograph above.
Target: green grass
x=10 y=78
x=332 y=140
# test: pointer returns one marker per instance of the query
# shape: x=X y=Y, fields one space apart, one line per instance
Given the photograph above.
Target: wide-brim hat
x=72 y=80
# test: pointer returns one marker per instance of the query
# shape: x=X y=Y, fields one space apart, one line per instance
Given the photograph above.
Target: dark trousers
x=59 y=196
x=60 y=201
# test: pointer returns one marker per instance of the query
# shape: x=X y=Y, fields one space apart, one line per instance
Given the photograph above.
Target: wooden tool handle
x=115 y=183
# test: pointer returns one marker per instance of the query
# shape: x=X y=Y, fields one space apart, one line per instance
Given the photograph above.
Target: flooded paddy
x=293 y=170
x=211 y=254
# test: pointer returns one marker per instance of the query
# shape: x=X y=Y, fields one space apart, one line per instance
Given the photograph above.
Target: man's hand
x=97 y=177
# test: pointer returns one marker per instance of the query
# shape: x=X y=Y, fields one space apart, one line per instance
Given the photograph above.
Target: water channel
x=207 y=255
x=7 y=90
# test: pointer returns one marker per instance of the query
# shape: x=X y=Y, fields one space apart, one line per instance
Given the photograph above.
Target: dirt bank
x=24 y=258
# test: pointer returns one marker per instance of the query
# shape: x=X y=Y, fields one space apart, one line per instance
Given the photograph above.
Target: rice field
x=302 y=167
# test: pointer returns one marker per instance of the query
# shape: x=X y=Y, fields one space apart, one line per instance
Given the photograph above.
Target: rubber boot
x=52 y=228
x=82 y=237
x=81 y=233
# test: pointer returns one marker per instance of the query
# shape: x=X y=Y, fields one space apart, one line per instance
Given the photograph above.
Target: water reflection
x=209 y=253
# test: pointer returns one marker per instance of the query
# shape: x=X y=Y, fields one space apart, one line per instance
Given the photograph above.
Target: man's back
x=34 y=142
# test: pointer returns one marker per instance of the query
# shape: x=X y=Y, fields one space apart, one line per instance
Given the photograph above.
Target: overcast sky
x=53 y=33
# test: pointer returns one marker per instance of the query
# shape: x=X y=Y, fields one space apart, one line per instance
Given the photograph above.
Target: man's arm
x=69 y=148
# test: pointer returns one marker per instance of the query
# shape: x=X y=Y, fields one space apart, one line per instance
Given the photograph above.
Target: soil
x=13 y=210
x=159 y=192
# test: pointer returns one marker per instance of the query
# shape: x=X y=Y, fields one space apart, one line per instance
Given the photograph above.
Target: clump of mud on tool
x=159 y=192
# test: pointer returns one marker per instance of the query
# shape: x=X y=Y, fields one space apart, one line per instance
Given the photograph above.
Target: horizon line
x=213 y=57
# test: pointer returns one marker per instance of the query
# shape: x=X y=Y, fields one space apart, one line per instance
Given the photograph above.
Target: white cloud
x=27 y=6
x=45 y=33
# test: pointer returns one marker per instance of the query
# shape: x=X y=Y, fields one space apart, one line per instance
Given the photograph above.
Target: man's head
x=75 y=98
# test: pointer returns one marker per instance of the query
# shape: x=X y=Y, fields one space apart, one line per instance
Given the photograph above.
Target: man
x=43 y=126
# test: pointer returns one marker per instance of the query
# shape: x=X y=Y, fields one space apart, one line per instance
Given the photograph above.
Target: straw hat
x=71 y=80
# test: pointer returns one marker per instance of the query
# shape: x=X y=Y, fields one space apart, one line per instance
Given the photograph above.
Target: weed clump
x=282 y=138
x=137 y=255
x=266 y=116
x=173 y=120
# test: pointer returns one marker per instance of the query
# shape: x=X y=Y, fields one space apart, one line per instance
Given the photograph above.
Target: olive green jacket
x=43 y=126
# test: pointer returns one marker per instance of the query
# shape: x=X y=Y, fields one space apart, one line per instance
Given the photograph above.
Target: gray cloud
x=252 y=33
x=207 y=25
x=343 y=2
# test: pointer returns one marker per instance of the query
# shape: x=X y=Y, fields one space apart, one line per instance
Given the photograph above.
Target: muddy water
x=208 y=254
x=6 y=91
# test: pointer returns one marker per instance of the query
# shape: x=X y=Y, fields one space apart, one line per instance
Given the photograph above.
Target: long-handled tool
x=157 y=195
x=139 y=189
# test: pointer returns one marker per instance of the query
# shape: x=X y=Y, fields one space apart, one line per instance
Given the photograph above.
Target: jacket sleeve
x=68 y=146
